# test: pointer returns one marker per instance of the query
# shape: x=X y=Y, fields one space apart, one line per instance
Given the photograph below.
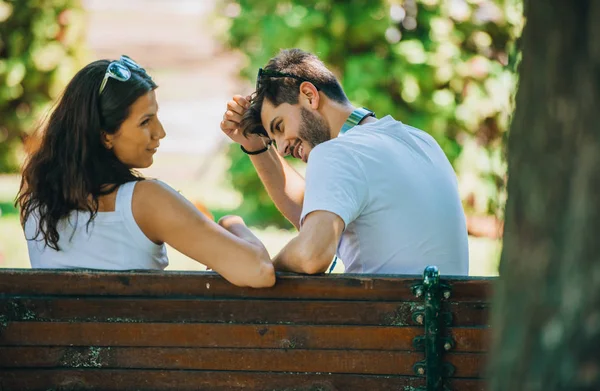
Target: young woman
x=83 y=205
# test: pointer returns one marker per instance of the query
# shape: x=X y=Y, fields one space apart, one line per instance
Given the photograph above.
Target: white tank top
x=113 y=241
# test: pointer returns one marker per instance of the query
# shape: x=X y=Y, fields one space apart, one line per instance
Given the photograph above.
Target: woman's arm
x=165 y=216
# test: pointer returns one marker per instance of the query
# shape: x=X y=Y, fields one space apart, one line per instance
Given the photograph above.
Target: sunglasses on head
x=120 y=70
x=274 y=74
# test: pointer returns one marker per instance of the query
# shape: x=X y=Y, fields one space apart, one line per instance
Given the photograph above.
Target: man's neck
x=336 y=115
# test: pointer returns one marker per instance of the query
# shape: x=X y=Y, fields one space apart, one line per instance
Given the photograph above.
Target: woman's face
x=138 y=138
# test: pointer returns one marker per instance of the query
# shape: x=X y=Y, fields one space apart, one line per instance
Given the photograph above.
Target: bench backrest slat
x=178 y=331
x=126 y=309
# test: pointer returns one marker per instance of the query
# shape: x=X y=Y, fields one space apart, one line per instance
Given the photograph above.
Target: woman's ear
x=310 y=94
x=107 y=139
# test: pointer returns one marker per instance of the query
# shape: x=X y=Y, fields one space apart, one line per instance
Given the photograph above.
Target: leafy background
x=447 y=67
x=41 y=47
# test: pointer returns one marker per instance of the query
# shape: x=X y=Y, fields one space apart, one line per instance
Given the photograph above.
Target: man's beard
x=313 y=129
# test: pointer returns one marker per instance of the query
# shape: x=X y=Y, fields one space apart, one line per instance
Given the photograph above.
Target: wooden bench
x=91 y=330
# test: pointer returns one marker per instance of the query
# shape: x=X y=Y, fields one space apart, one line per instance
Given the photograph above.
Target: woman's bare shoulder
x=153 y=188
x=155 y=195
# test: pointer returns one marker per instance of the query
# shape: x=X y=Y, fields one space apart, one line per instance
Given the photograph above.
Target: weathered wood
x=274 y=360
x=211 y=285
x=475 y=289
x=468 y=313
x=475 y=340
x=146 y=330
x=230 y=336
x=466 y=385
x=201 y=284
x=99 y=309
x=147 y=380
x=208 y=335
x=467 y=365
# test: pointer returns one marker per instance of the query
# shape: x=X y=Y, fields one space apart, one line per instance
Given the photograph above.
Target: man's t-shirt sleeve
x=335 y=182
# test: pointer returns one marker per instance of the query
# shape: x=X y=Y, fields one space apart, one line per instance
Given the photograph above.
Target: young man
x=380 y=194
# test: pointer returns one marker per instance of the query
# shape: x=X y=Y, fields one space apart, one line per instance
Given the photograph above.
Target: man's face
x=295 y=129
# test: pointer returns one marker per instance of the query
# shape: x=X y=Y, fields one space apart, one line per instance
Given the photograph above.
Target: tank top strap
x=124 y=198
x=123 y=205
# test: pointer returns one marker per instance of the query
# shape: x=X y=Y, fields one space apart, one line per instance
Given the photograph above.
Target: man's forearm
x=290 y=258
x=284 y=185
x=300 y=257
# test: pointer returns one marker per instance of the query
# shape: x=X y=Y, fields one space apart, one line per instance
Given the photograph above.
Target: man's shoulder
x=348 y=141
x=330 y=148
x=372 y=130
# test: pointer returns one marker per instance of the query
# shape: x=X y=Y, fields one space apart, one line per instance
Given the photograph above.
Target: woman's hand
x=227 y=221
x=229 y=248
x=237 y=226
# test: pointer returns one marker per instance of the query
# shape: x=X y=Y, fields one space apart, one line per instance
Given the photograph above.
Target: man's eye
x=278 y=127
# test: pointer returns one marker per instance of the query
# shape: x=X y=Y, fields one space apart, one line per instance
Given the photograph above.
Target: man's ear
x=106 y=139
x=309 y=94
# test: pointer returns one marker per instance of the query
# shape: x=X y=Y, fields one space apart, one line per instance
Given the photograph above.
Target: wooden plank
x=467 y=365
x=208 y=284
x=230 y=336
x=201 y=284
x=160 y=380
x=473 y=289
x=468 y=313
x=273 y=360
x=102 y=309
x=374 y=362
x=467 y=384
x=209 y=311
x=470 y=339
x=208 y=335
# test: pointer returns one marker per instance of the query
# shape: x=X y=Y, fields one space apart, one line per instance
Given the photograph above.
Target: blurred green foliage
x=40 y=47
x=444 y=66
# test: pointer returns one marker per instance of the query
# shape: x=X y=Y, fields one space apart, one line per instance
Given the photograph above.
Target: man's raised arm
x=284 y=185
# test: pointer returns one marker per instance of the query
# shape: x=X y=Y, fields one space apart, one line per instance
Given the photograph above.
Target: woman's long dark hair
x=72 y=167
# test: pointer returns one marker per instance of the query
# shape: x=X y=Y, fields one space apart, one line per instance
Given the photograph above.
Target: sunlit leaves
x=447 y=67
x=40 y=43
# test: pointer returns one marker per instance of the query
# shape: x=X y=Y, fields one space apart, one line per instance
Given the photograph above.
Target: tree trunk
x=547 y=311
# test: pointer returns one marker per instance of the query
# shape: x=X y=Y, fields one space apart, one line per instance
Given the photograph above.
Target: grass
x=484 y=253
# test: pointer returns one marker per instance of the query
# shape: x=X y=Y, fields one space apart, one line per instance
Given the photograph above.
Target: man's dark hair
x=303 y=66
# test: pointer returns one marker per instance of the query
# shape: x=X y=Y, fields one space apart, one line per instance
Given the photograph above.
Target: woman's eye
x=145 y=122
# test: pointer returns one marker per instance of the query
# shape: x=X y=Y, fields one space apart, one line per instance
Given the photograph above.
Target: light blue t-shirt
x=398 y=196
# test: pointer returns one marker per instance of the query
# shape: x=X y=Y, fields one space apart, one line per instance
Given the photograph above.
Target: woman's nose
x=159 y=132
